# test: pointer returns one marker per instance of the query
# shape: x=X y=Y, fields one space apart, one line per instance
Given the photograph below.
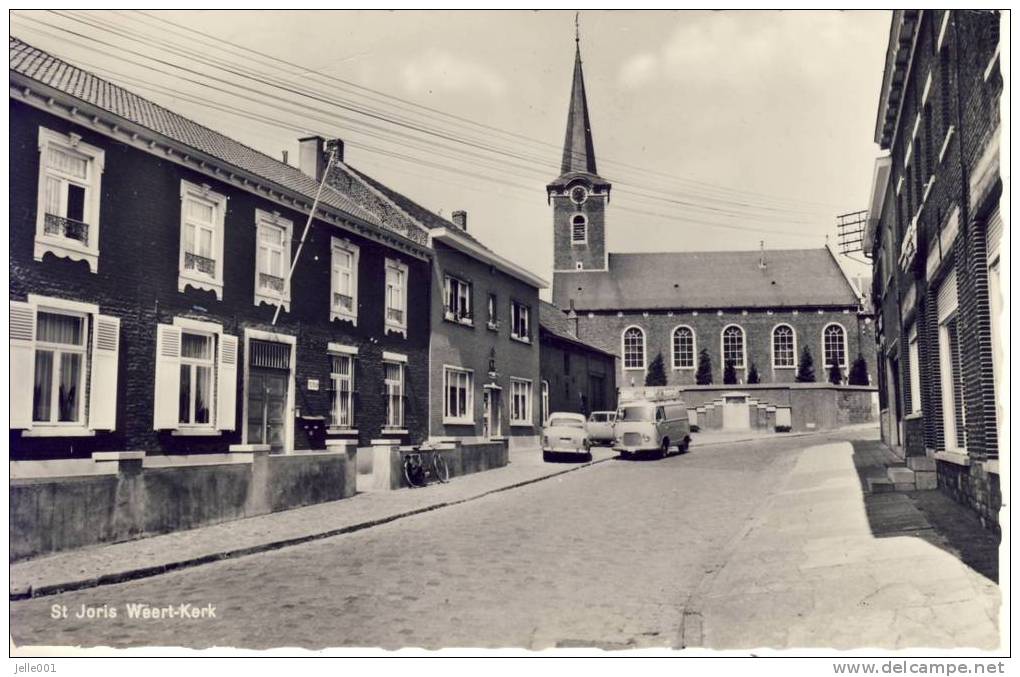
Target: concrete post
x=383 y=476
x=350 y=447
x=129 y=499
x=259 y=500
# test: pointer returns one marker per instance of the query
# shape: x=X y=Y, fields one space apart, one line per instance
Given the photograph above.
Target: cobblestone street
x=609 y=556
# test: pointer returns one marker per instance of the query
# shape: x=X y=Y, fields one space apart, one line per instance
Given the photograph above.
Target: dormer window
x=67 y=218
x=579 y=230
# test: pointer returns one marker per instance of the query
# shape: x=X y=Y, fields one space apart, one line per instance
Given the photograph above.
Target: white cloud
x=441 y=71
x=639 y=69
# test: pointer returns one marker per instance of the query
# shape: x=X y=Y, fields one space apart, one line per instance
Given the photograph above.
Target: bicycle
x=423 y=464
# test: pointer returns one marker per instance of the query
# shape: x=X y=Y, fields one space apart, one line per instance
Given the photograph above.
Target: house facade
x=754 y=311
x=934 y=236
x=150 y=303
x=576 y=376
x=483 y=358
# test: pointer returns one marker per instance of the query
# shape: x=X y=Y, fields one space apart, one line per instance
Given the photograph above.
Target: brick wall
x=605 y=330
x=137 y=282
x=569 y=370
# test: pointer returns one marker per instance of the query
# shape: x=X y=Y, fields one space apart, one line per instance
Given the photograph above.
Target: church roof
x=578 y=147
x=554 y=321
x=709 y=280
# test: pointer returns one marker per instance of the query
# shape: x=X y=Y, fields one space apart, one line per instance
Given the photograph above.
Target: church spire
x=578 y=147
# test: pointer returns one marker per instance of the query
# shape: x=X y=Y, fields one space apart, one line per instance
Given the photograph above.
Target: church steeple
x=578 y=147
x=579 y=196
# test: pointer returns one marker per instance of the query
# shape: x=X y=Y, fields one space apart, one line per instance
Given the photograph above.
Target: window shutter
x=166 y=402
x=103 y=385
x=947 y=302
x=226 y=384
x=22 y=363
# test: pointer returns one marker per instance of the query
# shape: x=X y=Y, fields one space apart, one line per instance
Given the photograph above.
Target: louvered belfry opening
x=269 y=354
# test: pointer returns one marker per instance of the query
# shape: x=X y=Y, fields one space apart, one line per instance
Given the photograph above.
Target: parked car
x=565 y=433
x=600 y=427
x=652 y=426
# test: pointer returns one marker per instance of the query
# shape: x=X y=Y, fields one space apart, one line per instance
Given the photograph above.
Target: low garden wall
x=461 y=459
x=120 y=496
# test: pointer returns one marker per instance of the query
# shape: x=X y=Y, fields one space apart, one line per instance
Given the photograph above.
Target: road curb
x=159 y=569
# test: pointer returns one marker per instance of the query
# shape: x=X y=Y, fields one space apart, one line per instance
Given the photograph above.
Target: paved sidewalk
x=815 y=568
x=106 y=564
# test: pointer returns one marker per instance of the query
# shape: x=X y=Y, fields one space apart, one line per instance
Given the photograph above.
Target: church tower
x=579 y=195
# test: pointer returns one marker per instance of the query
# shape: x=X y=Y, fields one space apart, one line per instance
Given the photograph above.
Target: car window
x=639 y=412
x=598 y=418
x=659 y=414
x=563 y=422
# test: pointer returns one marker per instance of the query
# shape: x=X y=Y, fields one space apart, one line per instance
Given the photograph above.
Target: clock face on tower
x=578 y=194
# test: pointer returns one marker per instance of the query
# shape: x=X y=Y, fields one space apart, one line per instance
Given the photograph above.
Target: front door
x=736 y=413
x=492 y=422
x=267 y=407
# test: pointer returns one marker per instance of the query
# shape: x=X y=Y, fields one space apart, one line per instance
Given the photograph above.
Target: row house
x=934 y=236
x=483 y=361
x=152 y=305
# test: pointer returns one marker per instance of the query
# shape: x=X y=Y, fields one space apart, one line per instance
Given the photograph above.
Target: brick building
x=148 y=256
x=934 y=236
x=750 y=309
x=576 y=376
x=483 y=349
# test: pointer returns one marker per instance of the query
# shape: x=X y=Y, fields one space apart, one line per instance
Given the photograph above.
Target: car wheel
x=664 y=452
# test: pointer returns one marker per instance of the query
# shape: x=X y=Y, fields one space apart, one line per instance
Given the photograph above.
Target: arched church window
x=633 y=348
x=834 y=345
x=683 y=348
x=733 y=346
x=579 y=230
x=784 y=346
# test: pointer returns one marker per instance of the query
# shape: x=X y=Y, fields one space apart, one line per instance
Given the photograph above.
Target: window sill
x=393 y=431
x=492 y=327
x=67 y=249
x=195 y=432
x=521 y=339
x=521 y=424
x=684 y=368
x=343 y=316
x=464 y=322
x=396 y=329
x=789 y=366
x=992 y=466
x=458 y=421
x=273 y=301
x=215 y=286
x=954 y=457
x=58 y=431
x=914 y=416
x=633 y=368
x=341 y=431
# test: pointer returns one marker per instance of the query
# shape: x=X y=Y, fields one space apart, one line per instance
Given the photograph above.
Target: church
x=753 y=311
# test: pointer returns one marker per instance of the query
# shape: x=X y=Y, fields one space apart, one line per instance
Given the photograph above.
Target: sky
x=718 y=129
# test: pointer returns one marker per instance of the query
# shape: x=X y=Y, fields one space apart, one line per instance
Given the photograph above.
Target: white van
x=652 y=426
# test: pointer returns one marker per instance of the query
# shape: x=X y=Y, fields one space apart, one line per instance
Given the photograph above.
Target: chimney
x=335 y=146
x=286 y=155
x=761 y=260
x=311 y=159
x=459 y=219
x=572 y=319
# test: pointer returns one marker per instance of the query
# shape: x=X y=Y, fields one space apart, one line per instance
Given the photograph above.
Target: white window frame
x=464 y=296
x=492 y=311
x=673 y=351
x=337 y=312
x=401 y=388
x=949 y=427
x=468 y=415
x=203 y=194
x=522 y=385
x=743 y=347
x=83 y=428
x=59 y=245
x=335 y=380
x=399 y=294
x=846 y=348
x=264 y=219
x=573 y=231
x=793 y=332
x=623 y=349
x=520 y=311
x=914 y=370
x=64 y=349
x=545 y=403
x=212 y=336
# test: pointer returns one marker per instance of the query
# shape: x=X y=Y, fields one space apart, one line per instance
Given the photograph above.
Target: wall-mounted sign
x=313 y=384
